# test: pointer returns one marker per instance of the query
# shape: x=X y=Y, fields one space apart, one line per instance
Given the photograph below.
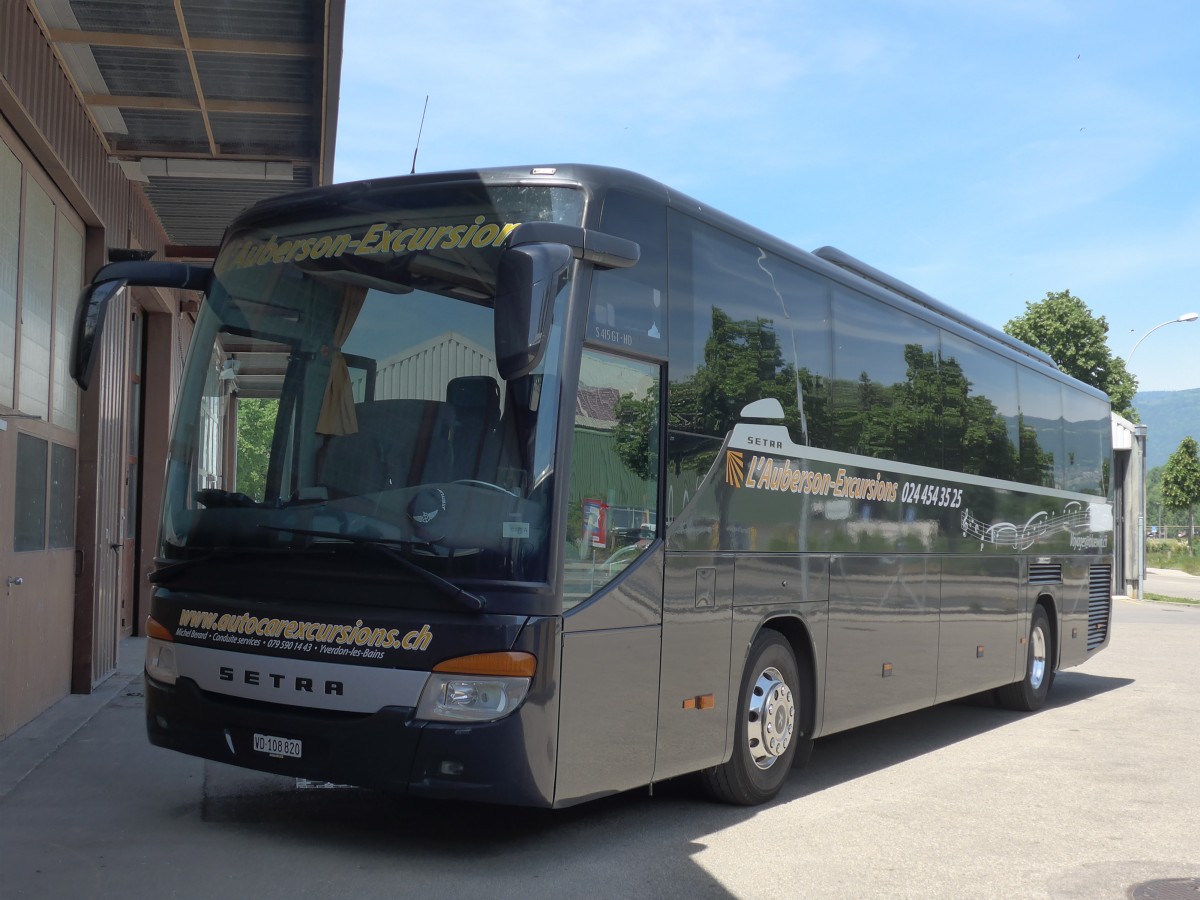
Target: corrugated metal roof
x=268 y=20
x=218 y=82
x=155 y=132
x=133 y=16
x=193 y=209
x=272 y=79
x=270 y=138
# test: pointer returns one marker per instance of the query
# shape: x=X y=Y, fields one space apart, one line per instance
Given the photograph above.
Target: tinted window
x=1041 y=424
x=613 y=497
x=1087 y=442
x=886 y=393
x=807 y=337
x=627 y=307
x=745 y=325
x=979 y=410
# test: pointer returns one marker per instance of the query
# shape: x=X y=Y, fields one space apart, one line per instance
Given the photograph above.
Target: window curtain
x=337 y=409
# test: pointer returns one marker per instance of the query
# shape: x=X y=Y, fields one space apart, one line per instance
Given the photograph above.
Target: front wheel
x=768 y=726
x=1030 y=692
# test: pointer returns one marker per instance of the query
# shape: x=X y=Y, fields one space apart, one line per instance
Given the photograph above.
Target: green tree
x=1154 y=504
x=1064 y=327
x=1181 y=481
x=1157 y=512
x=256 y=426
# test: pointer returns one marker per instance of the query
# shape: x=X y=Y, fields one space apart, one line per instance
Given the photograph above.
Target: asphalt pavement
x=1096 y=796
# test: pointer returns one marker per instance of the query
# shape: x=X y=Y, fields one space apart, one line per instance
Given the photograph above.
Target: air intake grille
x=1099 y=605
x=1045 y=573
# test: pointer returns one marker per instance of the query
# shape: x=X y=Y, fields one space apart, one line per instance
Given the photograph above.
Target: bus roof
x=604 y=178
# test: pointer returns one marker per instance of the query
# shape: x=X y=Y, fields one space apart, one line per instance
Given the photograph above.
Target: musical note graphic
x=1073 y=518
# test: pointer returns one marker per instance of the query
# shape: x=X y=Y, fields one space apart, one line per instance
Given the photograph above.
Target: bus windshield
x=342 y=395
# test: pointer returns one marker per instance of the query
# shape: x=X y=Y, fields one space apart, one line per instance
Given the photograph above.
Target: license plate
x=277 y=746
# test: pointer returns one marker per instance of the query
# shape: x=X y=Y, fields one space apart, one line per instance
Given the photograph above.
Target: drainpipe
x=1139 y=435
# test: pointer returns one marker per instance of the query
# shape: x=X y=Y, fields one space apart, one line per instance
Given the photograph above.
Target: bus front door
x=608 y=707
x=695 y=692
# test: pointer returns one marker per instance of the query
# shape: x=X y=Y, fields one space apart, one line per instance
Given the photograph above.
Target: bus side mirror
x=108 y=283
x=528 y=279
x=89 y=323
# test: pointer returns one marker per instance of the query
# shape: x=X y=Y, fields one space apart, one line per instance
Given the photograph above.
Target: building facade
x=126 y=130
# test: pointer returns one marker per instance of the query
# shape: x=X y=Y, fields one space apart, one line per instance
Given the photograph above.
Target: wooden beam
x=115 y=39
x=199 y=88
x=256 y=48
x=164 y=153
x=185 y=104
x=131 y=102
x=68 y=74
x=199 y=45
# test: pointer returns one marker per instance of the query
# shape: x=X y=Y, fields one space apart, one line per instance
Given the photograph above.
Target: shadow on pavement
x=366 y=819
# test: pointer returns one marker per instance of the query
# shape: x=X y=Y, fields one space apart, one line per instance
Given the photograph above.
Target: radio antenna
x=420 y=129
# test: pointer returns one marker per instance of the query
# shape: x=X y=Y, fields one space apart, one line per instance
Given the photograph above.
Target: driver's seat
x=475 y=433
x=398 y=443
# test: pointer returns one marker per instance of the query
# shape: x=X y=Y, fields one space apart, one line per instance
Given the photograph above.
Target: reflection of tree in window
x=614 y=464
x=743 y=362
x=1036 y=466
x=931 y=418
x=974 y=434
x=637 y=423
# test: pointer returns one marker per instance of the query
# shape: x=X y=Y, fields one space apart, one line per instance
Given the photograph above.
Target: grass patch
x=1162 y=598
x=1171 y=555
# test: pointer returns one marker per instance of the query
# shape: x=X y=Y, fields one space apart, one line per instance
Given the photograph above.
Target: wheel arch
x=1046 y=601
x=799 y=638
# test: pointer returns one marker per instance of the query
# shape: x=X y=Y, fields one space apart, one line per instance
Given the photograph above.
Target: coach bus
x=533 y=485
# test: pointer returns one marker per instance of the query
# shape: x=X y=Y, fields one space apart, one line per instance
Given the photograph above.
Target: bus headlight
x=477 y=688
x=160 y=661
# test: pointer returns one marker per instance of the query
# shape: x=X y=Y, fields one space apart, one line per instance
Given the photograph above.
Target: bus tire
x=766 y=735
x=1030 y=692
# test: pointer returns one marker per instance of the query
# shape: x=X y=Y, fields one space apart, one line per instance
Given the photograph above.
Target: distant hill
x=1170 y=416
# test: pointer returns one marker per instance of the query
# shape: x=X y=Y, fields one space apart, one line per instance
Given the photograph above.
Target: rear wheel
x=1030 y=692
x=766 y=735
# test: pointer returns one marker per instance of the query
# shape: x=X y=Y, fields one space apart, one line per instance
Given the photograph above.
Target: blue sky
x=986 y=151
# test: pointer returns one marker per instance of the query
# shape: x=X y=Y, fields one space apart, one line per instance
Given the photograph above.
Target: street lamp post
x=1186 y=317
x=1140 y=437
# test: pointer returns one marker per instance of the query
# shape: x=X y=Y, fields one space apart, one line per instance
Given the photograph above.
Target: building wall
x=40 y=104
x=55 y=521
x=1129 y=468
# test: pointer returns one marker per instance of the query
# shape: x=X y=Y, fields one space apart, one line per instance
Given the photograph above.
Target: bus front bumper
x=388 y=750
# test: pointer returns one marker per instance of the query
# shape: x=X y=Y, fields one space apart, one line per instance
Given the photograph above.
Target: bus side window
x=980 y=411
x=1041 y=424
x=745 y=325
x=613 y=513
x=628 y=306
x=886 y=394
x=1087 y=443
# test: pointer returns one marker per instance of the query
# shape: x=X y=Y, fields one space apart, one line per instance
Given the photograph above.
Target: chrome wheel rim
x=770 y=718
x=1037 y=664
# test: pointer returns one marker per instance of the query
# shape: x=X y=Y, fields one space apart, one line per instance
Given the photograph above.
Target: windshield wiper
x=447 y=588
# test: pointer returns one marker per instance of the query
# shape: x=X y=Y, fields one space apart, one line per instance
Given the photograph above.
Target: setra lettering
x=280 y=682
